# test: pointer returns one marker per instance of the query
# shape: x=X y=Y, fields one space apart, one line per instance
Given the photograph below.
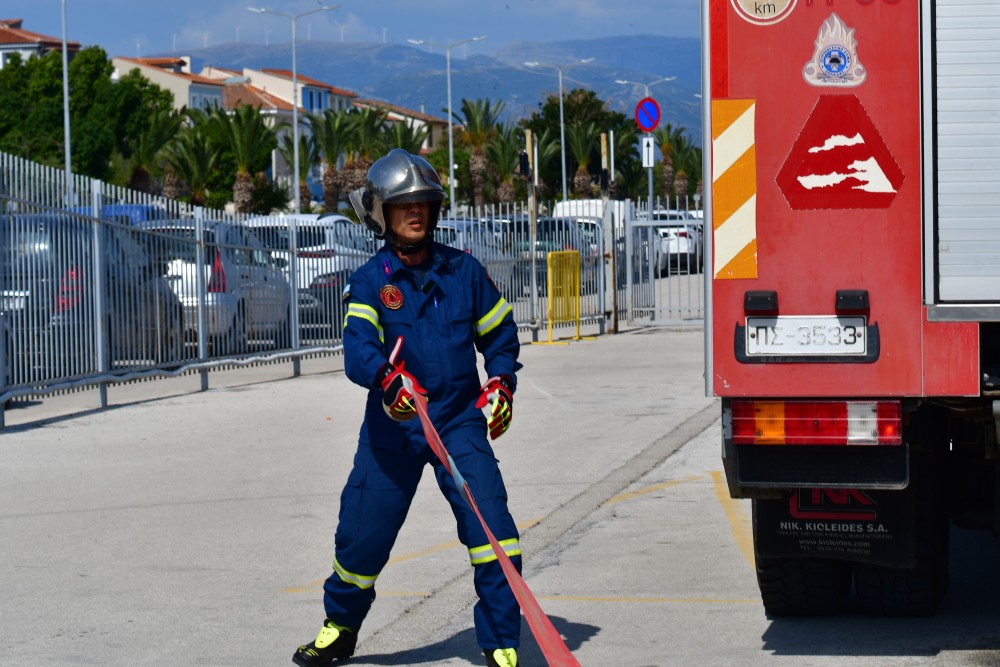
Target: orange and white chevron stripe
x=734 y=189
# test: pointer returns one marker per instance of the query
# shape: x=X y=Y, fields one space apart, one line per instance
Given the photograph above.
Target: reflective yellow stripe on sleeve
x=484 y=554
x=366 y=313
x=360 y=580
x=492 y=319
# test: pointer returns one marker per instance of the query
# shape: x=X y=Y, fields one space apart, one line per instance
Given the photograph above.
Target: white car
x=328 y=248
x=682 y=244
x=480 y=240
x=246 y=292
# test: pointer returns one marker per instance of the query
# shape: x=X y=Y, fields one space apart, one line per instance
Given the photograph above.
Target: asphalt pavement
x=182 y=527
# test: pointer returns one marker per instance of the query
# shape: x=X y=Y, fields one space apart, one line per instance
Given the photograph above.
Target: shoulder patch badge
x=346 y=296
x=391 y=297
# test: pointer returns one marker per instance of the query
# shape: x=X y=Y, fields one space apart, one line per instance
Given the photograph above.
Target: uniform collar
x=390 y=264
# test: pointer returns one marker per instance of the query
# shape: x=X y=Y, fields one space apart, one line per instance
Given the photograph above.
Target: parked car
x=551 y=235
x=480 y=240
x=127 y=213
x=682 y=245
x=329 y=247
x=48 y=297
x=246 y=293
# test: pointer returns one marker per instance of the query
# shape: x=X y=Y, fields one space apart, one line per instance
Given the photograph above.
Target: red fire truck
x=855 y=288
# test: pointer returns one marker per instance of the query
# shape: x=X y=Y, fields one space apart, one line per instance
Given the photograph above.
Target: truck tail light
x=768 y=422
x=217 y=279
x=70 y=290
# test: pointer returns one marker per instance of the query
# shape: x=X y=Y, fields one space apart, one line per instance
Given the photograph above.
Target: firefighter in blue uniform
x=435 y=306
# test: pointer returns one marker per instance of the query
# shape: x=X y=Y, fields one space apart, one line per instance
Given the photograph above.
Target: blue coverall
x=444 y=316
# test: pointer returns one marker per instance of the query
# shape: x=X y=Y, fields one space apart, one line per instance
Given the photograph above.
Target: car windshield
x=32 y=247
x=176 y=243
x=278 y=237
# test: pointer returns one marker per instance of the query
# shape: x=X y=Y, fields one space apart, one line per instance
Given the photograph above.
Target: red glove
x=397 y=400
x=498 y=392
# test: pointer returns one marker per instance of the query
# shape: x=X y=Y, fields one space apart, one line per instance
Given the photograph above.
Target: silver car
x=328 y=248
x=246 y=295
x=480 y=240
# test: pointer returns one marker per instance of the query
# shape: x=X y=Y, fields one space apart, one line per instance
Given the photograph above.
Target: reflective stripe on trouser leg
x=373 y=507
x=497 y=614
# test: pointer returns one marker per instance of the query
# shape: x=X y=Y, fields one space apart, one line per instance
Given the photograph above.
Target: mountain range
x=415 y=77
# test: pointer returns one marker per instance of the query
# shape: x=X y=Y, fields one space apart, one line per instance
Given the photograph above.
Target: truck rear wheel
x=915 y=591
x=803 y=586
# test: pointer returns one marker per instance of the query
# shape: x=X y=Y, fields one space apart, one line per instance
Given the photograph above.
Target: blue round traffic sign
x=647 y=114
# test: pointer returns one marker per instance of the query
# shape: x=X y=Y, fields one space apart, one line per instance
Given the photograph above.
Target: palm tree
x=683 y=151
x=249 y=138
x=332 y=134
x=581 y=137
x=547 y=144
x=504 y=153
x=191 y=157
x=479 y=119
x=365 y=136
x=667 y=137
x=162 y=128
x=308 y=156
x=625 y=163
x=402 y=134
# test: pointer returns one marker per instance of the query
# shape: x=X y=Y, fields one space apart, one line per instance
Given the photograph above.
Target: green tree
x=332 y=133
x=251 y=142
x=667 y=137
x=479 y=119
x=308 y=156
x=402 y=134
x=629 y=172
x=504 y=153
x=582 y=140
x=580 y=106
x=147 y=147
x=103 y=115
x=365 y=140
x=193 y=158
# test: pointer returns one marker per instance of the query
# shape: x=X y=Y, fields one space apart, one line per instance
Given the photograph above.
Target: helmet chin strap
x=411 y=248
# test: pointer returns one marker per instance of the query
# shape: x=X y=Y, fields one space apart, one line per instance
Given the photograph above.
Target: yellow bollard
x=564 y=289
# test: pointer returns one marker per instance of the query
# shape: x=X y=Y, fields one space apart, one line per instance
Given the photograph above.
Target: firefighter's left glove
x=498 y=393
x=397 y=399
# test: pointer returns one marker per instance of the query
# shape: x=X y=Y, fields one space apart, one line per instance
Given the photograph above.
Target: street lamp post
x=451 y=145
x=562 y=124
x=646 y=86
x=295 y=91
x=65 y=76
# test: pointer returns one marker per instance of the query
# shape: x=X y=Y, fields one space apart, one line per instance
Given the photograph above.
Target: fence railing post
x=202 y=325
x=101 y=323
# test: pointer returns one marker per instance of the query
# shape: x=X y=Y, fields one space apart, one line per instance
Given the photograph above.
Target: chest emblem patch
x=391 y=297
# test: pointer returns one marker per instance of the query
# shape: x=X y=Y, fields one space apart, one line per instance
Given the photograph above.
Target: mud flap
x=864 y=526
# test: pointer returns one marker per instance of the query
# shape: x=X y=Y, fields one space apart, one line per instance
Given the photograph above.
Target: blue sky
x=140 y=27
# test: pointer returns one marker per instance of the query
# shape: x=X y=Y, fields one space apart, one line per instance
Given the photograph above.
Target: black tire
x=803 y=586
x=283 y=335
x=233 y=341
x=172 y=345
x=916 y=591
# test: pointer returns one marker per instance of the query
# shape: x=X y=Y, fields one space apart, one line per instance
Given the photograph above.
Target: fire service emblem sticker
x=835 y=61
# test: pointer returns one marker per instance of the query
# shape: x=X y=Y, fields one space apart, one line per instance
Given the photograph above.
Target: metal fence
x=117 y=285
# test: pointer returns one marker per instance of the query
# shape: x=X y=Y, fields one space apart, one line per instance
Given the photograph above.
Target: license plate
x=806 y=335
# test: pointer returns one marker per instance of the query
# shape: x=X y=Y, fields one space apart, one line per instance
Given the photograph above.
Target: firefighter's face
x=409 y=222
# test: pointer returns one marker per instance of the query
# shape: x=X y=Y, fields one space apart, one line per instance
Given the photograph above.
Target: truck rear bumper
x=752 y=469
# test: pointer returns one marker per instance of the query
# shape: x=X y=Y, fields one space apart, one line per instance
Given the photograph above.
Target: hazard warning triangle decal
x=839 y=160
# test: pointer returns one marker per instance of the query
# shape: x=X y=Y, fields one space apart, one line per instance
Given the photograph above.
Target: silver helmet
x=397 y=178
